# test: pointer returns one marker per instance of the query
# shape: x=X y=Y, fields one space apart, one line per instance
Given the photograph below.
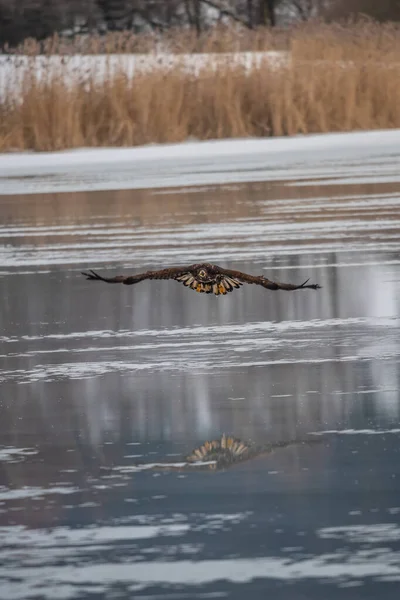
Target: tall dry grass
x=175 y=40
x=338 y=78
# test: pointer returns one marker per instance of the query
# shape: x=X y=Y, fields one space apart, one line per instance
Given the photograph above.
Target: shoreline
x=318 y=157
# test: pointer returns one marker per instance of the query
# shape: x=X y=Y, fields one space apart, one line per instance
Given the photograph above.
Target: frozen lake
x=102 y=387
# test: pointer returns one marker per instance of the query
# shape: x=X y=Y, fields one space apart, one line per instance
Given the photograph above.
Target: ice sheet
x=372 y=156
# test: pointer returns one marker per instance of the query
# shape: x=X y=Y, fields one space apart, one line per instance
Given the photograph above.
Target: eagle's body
x=209 y=279
x=228 y=451
x=224 y=453
x=204 y=278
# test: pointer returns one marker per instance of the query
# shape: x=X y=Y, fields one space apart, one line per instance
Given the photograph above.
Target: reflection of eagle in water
x=227 y=451
x=222 y=454
x=204 y=278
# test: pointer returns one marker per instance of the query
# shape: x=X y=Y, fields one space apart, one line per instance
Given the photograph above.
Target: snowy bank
x=364 y=157
x=97 y=68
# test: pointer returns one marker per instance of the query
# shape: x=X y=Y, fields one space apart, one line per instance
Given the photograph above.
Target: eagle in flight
x=204 y=278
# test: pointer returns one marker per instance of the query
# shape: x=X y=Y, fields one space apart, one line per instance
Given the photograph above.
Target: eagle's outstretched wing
x=171 y=273
x=267 y=283
x=203 y=277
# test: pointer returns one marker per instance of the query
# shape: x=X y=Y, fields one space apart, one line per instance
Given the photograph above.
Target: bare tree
x=304 y=10
x=250 y=13
x=267 y=12
x=42 y=18
x=117 y=14
x=20 y=19
x=381 y=10
x=197 y=15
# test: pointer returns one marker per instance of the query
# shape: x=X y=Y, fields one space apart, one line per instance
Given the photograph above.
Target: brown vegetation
x=337 y=79
x=174 y=40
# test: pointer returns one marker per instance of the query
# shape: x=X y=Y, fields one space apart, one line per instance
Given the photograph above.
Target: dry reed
x=338 y=78
x=175 y=41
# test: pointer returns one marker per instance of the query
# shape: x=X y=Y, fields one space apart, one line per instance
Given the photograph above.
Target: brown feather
x=214 y=279
x=266 y=283
x=170 y=273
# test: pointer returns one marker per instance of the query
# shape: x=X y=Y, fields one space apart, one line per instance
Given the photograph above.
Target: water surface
x=102 y=384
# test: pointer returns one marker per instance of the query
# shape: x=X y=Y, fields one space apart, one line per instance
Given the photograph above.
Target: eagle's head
x=204 y=275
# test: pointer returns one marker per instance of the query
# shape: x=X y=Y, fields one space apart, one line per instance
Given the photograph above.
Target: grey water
x=104 y=387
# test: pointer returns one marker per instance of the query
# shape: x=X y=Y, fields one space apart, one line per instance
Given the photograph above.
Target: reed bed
x=338 y=78
x=173 y=41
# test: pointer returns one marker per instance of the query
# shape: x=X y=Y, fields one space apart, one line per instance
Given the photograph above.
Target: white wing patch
x=230 y=283
x=218 y=287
